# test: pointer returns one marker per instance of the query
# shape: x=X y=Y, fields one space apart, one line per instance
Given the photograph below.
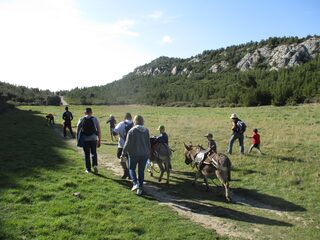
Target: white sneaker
x=139 y=191
x=95 y=169
x=87 y=171
x=135 y=187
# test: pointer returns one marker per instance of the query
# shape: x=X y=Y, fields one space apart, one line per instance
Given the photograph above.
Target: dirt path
x=208 y=220
x=64 y=103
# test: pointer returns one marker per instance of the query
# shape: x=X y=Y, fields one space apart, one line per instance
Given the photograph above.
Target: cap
x=209 y=135
x=161 y=127
x=233 y=115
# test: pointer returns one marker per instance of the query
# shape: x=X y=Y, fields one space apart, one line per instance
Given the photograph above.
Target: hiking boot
x=95 y=169
x=135 y=187
x=139 y=191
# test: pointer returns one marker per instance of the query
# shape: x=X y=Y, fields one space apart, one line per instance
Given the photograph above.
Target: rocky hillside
x=269 y=54
x=275 y=71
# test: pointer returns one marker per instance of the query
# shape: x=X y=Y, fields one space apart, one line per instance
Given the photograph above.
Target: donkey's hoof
x=229 y=200
x=151 y=174
x=207 y=190
x=193 y=183
x=159 y=180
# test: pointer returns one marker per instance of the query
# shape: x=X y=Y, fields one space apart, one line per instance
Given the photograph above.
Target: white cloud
x=49 y=44
x=167 y=39
x=155 y=15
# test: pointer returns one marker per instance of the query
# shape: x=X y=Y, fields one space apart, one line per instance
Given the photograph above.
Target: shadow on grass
x=196 y=199
x=289 y=159
x=28 y=145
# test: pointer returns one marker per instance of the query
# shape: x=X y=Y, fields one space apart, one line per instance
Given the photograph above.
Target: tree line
x=300 y=84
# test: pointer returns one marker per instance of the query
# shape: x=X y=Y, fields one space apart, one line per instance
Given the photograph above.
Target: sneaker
x=95 y=169
x=139 y=191
x=135 y=187
x=88 y=171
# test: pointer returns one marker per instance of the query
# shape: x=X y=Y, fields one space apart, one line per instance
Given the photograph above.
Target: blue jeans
x=90 y=147
x=234 y=137
x=141 y=161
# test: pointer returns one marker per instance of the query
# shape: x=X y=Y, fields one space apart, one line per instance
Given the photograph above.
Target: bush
x=54 y=100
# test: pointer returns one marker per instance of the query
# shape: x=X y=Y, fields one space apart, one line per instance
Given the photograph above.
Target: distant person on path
x=238 y=128
x=122 y=129
x=255 y=141
x=137 y=146
x=112 y=121
x=67 y=117
x=50 y=119
x=89 y=128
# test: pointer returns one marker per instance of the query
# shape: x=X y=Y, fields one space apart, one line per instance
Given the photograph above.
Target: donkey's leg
x=161 y=170
x=196 y=178
x=223 y=177
x=151 y=168
x=167 y=167
x=206 y=182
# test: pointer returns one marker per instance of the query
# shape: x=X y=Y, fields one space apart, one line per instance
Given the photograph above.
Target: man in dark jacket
x=67 y=117
x=137 y=146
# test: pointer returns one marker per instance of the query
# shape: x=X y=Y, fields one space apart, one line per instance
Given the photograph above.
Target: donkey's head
x=189 y=153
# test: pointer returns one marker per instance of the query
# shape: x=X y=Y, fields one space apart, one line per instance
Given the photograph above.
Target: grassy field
x=39 y=175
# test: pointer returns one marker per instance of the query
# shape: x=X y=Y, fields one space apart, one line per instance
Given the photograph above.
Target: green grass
x=286 y=178
x=39 y=176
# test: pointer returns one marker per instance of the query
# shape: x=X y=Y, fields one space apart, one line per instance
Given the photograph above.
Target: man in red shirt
x=255 y=141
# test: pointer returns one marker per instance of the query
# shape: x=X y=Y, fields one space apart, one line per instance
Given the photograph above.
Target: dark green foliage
x=194 y=84
x=233 y=88
x=53 y=100
x=23 y=95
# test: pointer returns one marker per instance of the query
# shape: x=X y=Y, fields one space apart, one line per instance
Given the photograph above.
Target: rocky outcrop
x=217 y=67
x=283 y=56
x=272 y=58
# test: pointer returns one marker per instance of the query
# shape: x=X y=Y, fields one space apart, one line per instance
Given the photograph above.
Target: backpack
x=67 y=116
x=128 y=126
x=241 y=126
x=88 y=127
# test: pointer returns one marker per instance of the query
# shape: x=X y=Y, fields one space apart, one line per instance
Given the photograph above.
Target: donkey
x=214 y=164
x=161 y=155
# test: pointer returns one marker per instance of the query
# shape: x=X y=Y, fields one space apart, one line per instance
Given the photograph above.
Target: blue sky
x=62 y=44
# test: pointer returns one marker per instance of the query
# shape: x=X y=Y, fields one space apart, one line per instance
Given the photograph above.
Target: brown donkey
x=215 y=165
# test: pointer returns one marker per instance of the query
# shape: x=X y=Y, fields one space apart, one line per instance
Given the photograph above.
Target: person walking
x=89 y=130
x=122 y=129
x=67 y=117
x=112 y=121
x=238 y=129
x=137 y=146
x=255 y=141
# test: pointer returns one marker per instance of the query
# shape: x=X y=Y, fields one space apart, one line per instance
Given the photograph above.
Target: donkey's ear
x=186 y=147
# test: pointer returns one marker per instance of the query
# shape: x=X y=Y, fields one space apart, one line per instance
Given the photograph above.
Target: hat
x=233 y=115
x=209 y=135
x=161 y=127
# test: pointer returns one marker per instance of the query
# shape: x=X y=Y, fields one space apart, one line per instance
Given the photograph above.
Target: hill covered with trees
x=21 y=95
x=275 y=71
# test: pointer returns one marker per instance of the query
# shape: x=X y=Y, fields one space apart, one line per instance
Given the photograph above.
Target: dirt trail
x=221 y=225
x=64 y=103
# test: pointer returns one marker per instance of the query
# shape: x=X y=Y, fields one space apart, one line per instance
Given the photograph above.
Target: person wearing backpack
x=89 y=130
x=112 y=121
x=137 y=146
x=122 y=130
x=238 y=129
x=67 y=117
